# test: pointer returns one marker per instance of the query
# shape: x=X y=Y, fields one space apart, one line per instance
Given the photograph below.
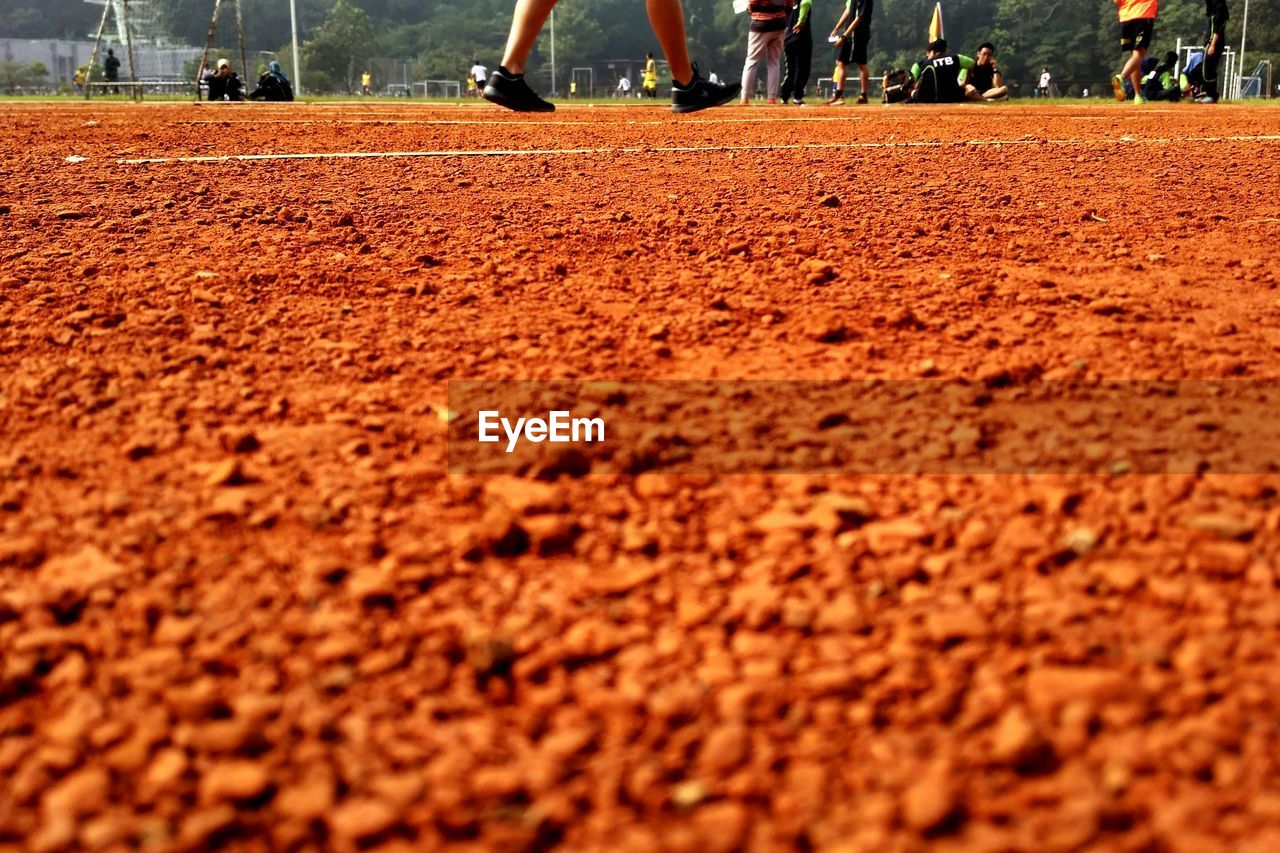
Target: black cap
x=938 y=46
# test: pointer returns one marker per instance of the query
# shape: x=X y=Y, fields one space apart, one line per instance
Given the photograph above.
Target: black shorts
x=854 y=50
x=1137 y=35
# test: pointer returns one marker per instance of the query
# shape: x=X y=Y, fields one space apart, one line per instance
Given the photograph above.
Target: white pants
x=766 y=46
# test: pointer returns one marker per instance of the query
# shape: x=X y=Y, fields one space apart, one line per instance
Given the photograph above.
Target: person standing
x=479 y=73
x=797 y=44
x=1215 y=34
x=366 y=83
x=624 y=87
x=764 y=42
x=111 y=69
x=689 y=92
x=851 y=47
x=1042 y=88
x=1137 y=29
x=650 y=83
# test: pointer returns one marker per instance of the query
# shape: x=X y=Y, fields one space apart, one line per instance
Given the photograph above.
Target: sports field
x=243 y=601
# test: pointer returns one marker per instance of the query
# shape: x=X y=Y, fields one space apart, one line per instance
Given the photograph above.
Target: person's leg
x=791 y=54
x=506 y=86
x=861 y=40
x=1132 y=70
x=773 y=62
x=526 y=23
x=1210 y=72
x=837 y=80
x=804 y=62
x=755 y=52
x=996 y=93
x=667 y=19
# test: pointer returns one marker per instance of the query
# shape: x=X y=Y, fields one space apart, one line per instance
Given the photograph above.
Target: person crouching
x=273 y=86
x=225 y=84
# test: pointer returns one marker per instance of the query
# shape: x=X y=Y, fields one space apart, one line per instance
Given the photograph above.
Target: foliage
x=340 y=49
x=14 y=75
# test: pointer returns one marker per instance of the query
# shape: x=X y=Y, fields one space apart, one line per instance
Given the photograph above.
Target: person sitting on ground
x=1191 y=80
x=1160 y=83
x=273 y=85
x=225 y=84
x=987 y=82
x=941 y=78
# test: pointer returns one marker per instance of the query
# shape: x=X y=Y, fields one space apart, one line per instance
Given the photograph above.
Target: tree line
x=1076 y=39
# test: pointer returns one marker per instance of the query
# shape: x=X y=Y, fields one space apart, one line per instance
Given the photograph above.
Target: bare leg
x=526 y=23
x=667 y=19
x=865 y=76
x=837 y=77
x=1133 y=68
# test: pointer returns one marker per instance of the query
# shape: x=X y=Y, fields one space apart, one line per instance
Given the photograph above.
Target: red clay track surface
x=242 y=603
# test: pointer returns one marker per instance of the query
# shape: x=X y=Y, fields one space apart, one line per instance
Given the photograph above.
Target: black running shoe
x=510 y=91
x=701 y=95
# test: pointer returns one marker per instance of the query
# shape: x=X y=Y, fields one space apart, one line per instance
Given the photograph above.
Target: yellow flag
x=935 y=26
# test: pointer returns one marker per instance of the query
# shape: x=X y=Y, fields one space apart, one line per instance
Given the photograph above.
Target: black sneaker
x=701 y=95
x=514 y=94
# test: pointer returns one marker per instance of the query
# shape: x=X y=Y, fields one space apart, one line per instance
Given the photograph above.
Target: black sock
x=505 y=73
x=838 y=93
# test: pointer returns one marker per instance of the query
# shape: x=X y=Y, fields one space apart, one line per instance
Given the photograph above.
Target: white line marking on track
x=676 y=149
x=532 y=124
x=535 y=152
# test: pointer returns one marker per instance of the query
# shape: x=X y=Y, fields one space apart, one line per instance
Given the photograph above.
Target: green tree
x=337 y=53
x=15 y=75
x=266 y=22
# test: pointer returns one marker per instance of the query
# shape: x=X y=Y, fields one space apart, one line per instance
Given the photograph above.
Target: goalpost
x=584 y=74
x=437 y=89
